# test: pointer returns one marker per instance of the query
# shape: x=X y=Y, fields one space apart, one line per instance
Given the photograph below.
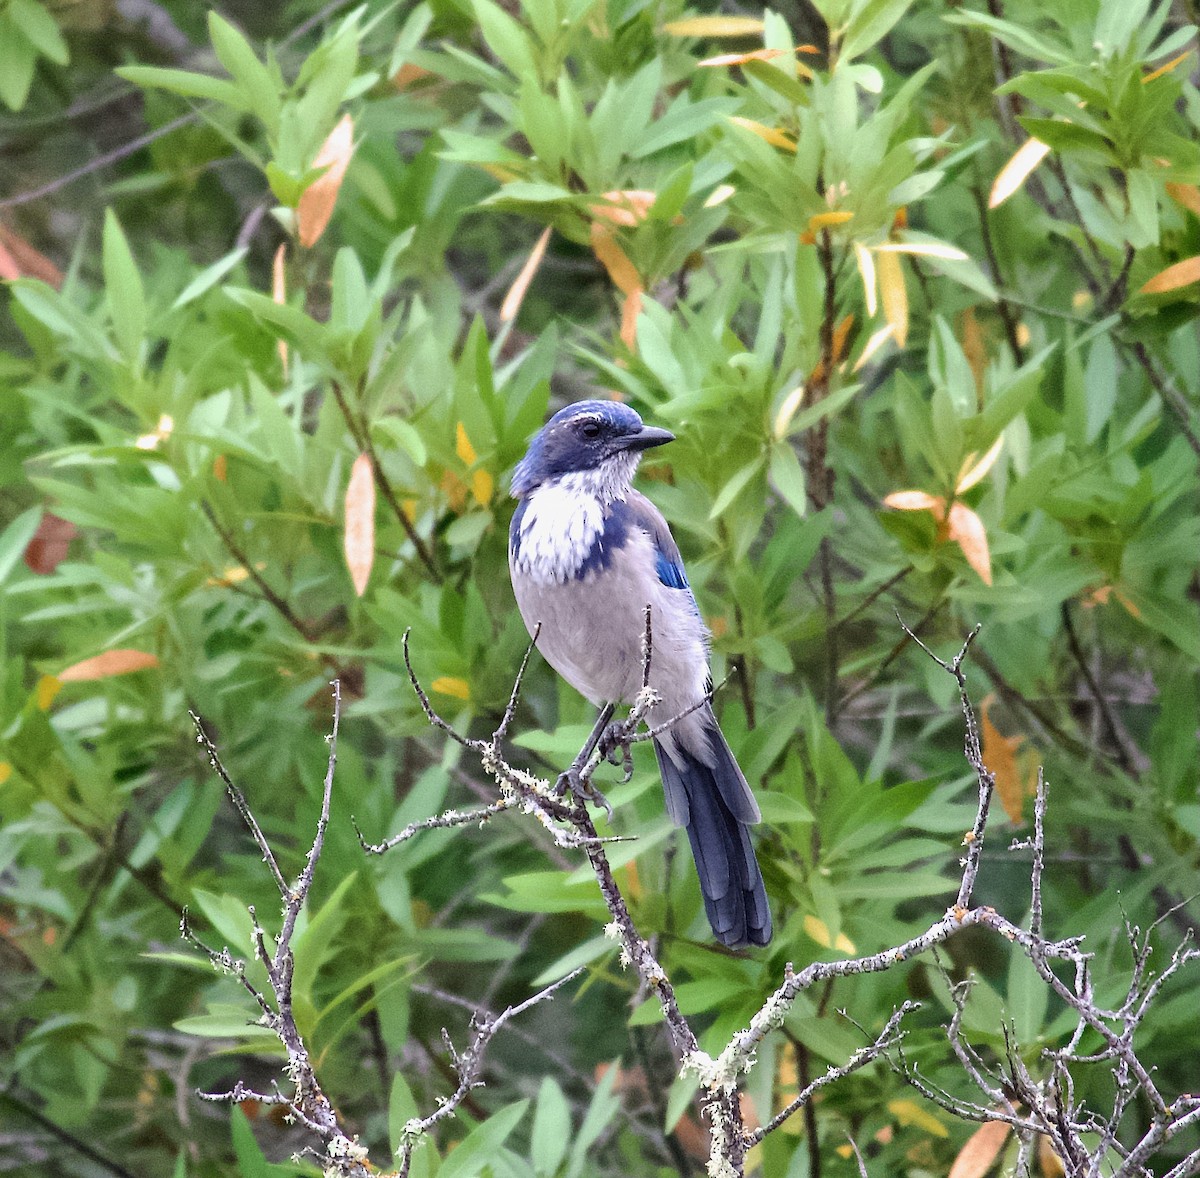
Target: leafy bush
x=917 y=290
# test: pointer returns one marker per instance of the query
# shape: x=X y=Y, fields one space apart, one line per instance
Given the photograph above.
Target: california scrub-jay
x=588 y=554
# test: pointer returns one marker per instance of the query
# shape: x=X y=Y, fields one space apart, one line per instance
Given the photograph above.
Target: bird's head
x=603 y=439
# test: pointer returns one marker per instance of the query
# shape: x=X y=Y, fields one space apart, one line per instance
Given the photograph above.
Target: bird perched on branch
x=588 y=554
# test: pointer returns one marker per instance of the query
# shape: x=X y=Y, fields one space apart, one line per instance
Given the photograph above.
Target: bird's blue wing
x=668 y=562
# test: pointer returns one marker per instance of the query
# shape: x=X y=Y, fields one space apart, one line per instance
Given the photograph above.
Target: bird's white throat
x=564 y=518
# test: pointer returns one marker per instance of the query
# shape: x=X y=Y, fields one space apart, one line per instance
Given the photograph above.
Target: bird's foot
x=616 y=746
x=582 y=789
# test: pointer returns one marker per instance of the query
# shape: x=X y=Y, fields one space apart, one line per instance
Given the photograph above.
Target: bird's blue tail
x=713 y=802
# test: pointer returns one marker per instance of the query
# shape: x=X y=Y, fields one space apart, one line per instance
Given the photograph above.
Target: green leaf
x=734 y=487
x=468 y=1158
x=40 y=29
x=18 y=57
x=604 y=1107
x=252 y=77
x=123 y=290
x=787 y=477
x=869 y=24
x=208 y=278
x=187 y=85
x=15 y=539
x=551 y=1129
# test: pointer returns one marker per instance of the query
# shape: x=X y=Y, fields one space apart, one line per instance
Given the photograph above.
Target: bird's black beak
x=647 y=438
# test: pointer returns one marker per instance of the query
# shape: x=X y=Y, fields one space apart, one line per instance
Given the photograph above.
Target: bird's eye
x=590 y=429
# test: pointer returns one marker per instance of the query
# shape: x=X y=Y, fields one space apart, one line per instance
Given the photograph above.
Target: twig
x=467 y=1066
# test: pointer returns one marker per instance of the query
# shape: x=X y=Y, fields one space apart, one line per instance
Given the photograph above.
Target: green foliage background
x=146 y=402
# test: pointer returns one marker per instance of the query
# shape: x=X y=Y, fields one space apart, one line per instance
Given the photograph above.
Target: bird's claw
x=582 y=789
x=616 y=747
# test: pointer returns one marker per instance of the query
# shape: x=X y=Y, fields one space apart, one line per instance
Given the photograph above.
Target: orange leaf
x=221 y=468
x=916 y=501
x=1173 y=277
x=18 y=259
x=967 y=531
x=895 y=295
x=111 y=662
x=614 y=259
x=982 y=1149
x=279 y=295
x=50 y=543
x=1000 y=756
x=774 y=137
x=742 y=58
x=1187 y=195
x=1167 y=67
x=316 y=203
x=407 y=74
x=715 y=26
x=1017 y=170
x=516 y=292
x=359 y=539
x=824 y=220
x=841 y=335
x=630 y=310
x=628 y=206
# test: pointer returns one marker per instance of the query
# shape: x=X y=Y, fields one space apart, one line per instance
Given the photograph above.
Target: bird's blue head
x=605 y=437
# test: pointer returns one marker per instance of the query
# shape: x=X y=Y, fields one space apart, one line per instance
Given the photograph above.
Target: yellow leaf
x=1167 y=67
x=819 y=931
x=866 y=271
x=787 y=410
x=463 y=447
x=1187 y=195
x=279 y=295
x=824 y=220
x=973 y=474
x=983 y=1147
x=967 y=531
x=916 y=501
x=774 y=137
x=1013 y=175
x=5 y=771
x=877 y=340
x=482 y=487
x=975 y=350
x=909 y=1112
x=111 y=662
x=1000 y=756
x=715 y=26
x=358 y=541
x=1173 y=277
x=1049 y=1162
x=742 y=58
x=516 y=292
x=48 y=686
x=150 y=441
x=924 y=249
x=317 y=201
x=895 y=296
x=719 y=195
x=446 y=685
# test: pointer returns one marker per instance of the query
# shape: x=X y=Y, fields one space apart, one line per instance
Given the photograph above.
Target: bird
x=588 y=555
